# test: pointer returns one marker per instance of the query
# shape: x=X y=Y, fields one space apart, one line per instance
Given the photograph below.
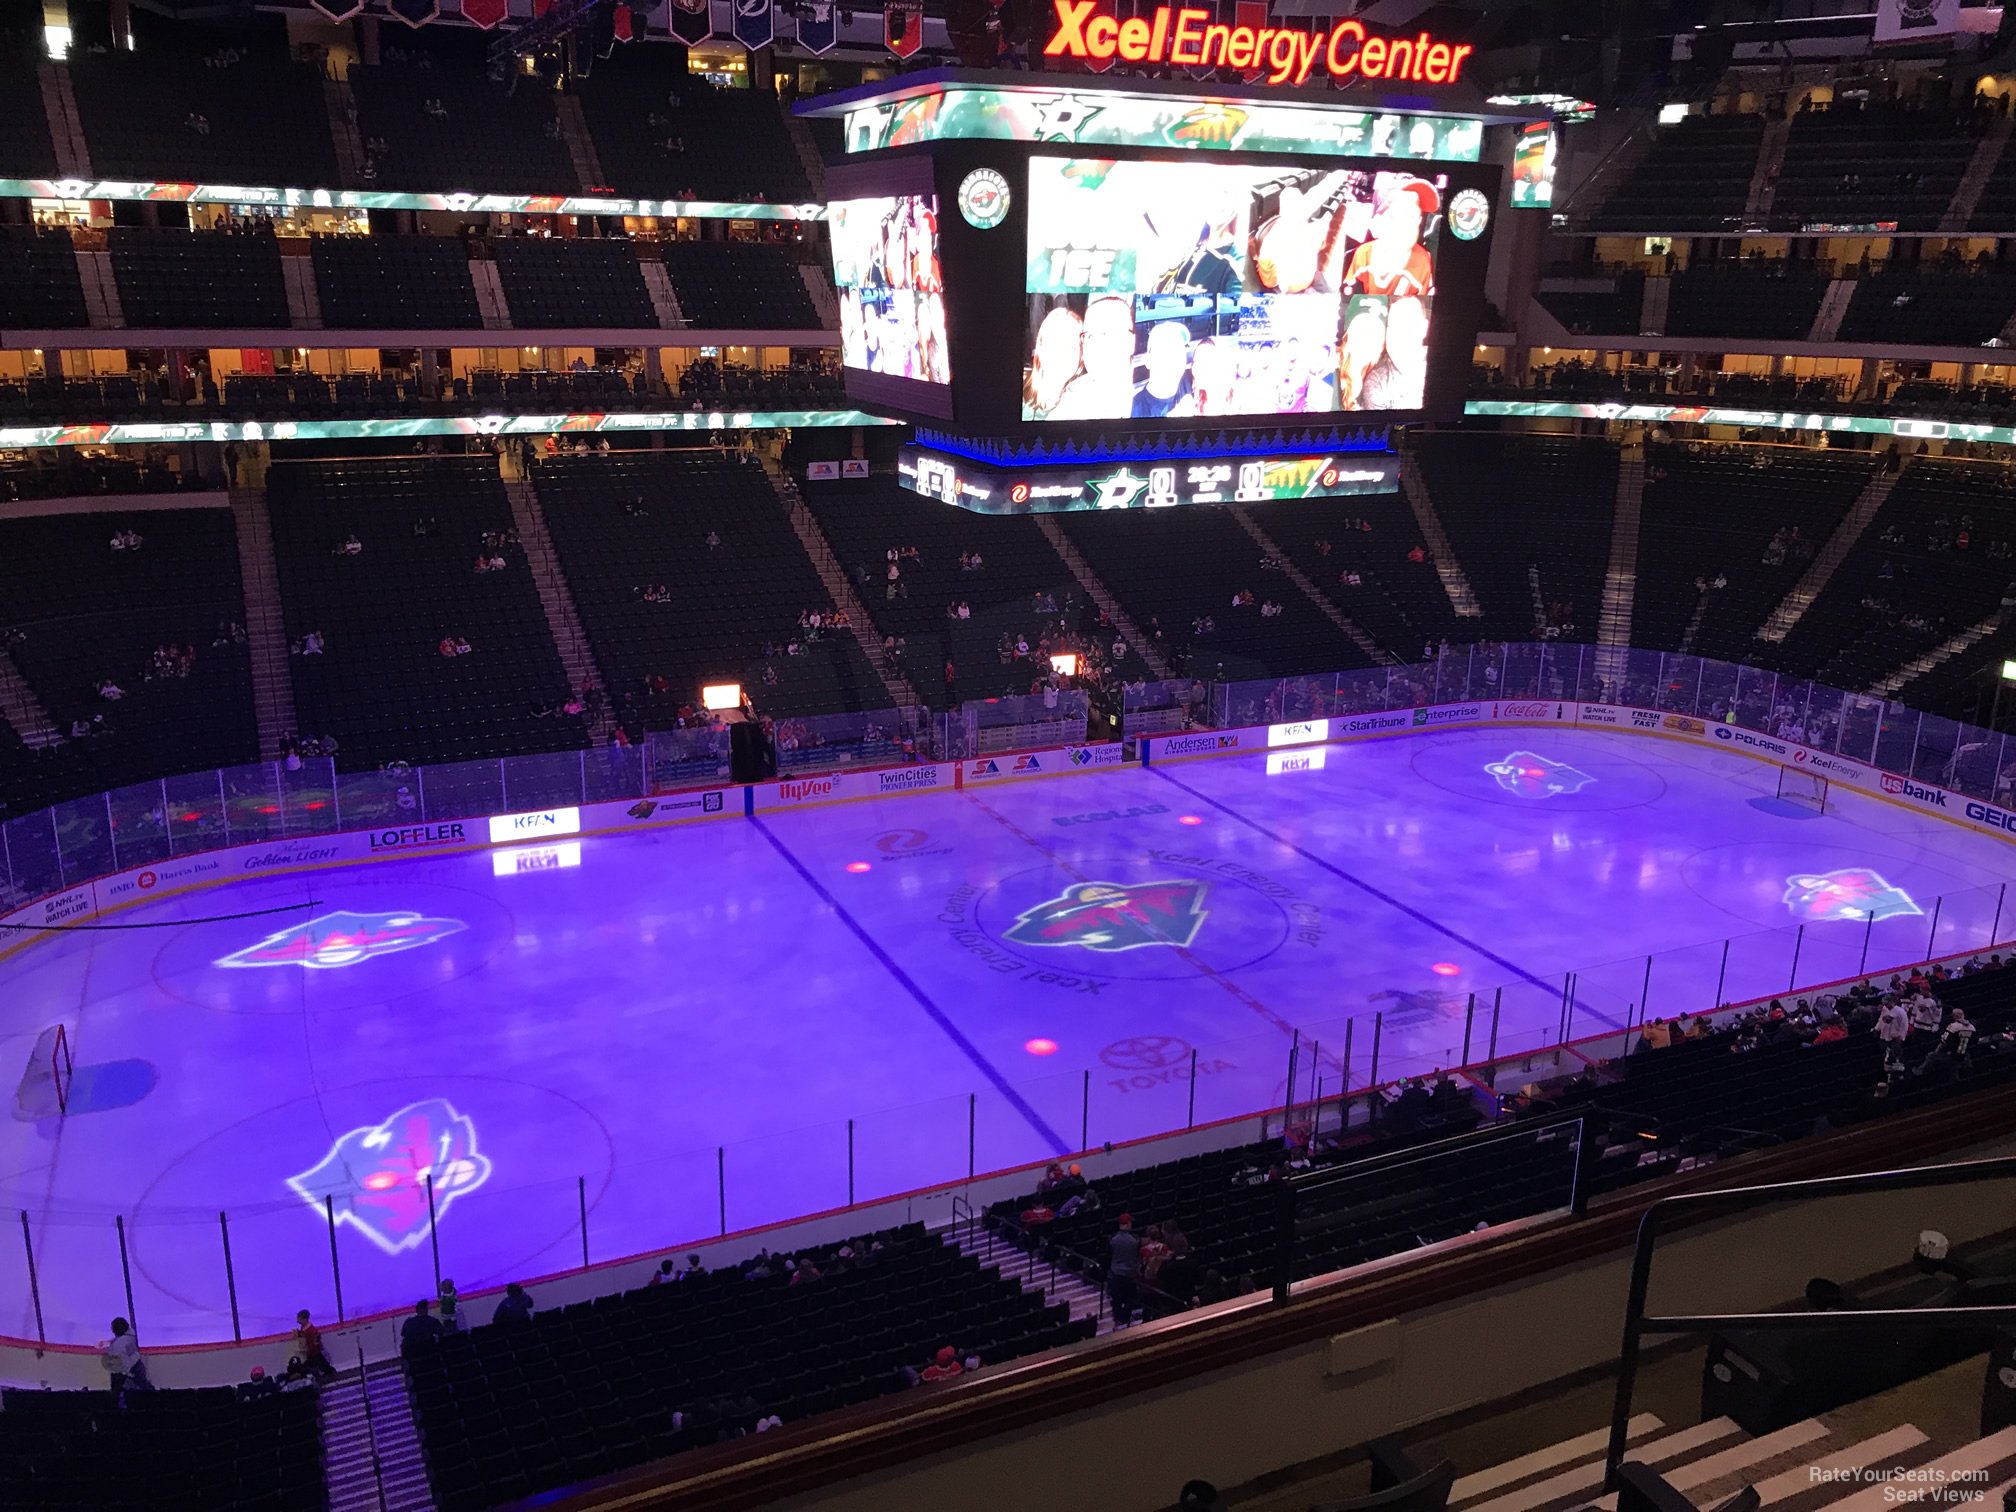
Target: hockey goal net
x=62 y=1068
x=1798 y=785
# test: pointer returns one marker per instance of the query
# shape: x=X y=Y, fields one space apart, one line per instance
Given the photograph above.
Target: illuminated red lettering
x=1188 y=37
x=1342 y=63
x=1069 y=38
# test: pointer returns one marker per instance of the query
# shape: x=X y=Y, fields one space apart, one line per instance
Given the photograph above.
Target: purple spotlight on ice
x=377 y=1178
x=1530 y=776
x=1854 y=892
x=343 y=939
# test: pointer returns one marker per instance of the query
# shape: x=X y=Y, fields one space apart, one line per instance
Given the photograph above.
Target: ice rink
x=671 y=1030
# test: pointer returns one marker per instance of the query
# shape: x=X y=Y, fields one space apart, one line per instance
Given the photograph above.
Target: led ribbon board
x=462 y=203
x=28 y=436
x=1193 y=38
x=1707 y=414
x=1087 y=118
x=1149 y=484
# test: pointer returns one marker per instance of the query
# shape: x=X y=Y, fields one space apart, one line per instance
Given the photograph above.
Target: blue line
x=1013 y=1098
x=1384 y=897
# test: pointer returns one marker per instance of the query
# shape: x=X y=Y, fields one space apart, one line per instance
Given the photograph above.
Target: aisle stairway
x=1832 y=555
x=1620 y=579
x=1414 y=488
x=23 y=710
x=562 y=618
x=1804 y=1467
x=902 y=692
x=265 y=626
x=1308 y=589
x=1100 y=595
x=352 y=1436
x=1054 y=1282
x=1980 y=168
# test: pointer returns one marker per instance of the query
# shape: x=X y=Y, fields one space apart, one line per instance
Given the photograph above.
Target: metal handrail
x=1637 y=1323
x=370 y=1423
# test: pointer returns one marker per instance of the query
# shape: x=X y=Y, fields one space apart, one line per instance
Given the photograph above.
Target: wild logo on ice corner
x=1530 y=776
x=1854 y=892
x=380 y=1178
x=1110 y=916
x=343 y=939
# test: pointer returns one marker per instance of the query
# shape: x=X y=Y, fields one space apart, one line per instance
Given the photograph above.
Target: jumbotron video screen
x=1151 y=290
x=1189 y=290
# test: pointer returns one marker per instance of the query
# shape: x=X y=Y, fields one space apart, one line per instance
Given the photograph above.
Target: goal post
x=1800 y=785
x=62 y=1068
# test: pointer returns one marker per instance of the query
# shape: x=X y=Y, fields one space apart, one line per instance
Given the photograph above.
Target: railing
x=73 y=1258
x=1697 y=1205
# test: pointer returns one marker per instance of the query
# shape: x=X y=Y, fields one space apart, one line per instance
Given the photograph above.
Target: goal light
x=1065 y=663
x=718 y=696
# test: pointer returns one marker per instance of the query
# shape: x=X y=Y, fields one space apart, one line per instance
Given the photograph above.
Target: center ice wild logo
x=1853 y=893
x=1115 y=916
x=343 y=939
x=1532 y=776
x=377 y=1177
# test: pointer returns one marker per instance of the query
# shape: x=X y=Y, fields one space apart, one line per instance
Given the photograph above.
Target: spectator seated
x=1935 y=560
x=1941 y=304
x=1400 y=603
x=426 y=128
x=187 y=105
x=1184 y=568
x=381 y=684
x=1529 y=518
x=1009 y=595
x=1773 y=508
x=663 y=136
x=1850 y=164
x=516 y=1409
x=154 y=622
x=626 y=523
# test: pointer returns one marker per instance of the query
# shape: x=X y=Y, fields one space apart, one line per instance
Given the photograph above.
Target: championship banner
x=484 y=14
x=339 y=10
x=903 y=26
x=414 y=12
x=692 y=21
x=1916 y=20
x=818 y=26
x=755 y=23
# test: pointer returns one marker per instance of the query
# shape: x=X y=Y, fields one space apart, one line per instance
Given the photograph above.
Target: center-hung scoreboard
x=1134 y=293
